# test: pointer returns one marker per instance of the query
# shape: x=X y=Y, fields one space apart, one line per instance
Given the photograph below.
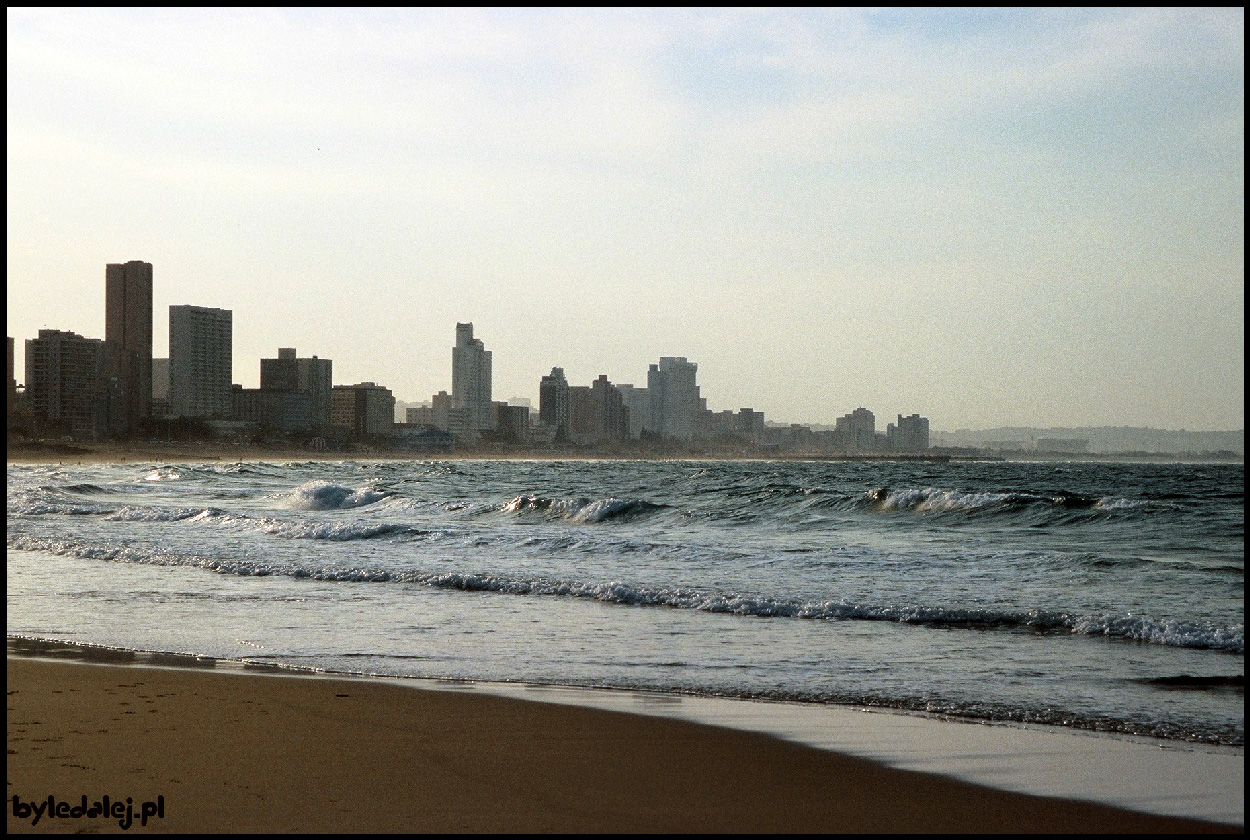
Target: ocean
x=1096 y=596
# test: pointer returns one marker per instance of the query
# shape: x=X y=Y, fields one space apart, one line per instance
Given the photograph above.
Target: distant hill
x=1101 y=439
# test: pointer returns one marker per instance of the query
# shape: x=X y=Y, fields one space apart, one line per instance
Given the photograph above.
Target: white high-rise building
x=470 y=379
x=673 y=398
x=200 y=362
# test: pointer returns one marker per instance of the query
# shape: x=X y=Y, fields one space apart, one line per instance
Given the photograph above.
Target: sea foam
x=324 y=495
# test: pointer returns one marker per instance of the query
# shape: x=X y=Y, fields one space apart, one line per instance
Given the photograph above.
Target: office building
x=272 y=411
x=553 y=402
x=749 y=424
x=67 y=386
x=639 y=406
x=674 y=402
x=310 y=376
x=856 y=431
x=420 y=416
x=910 y=434
x=471 y=378
x=200 y=362
x=583 y=426
x=611 y=417
x=364 y=409
x=128 y=334
x=511 y=422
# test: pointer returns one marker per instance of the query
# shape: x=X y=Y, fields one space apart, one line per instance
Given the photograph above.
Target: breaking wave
x=583 y=510
x=1133 y=628
x=324 y=495
x=935 y=499
x=336 y=531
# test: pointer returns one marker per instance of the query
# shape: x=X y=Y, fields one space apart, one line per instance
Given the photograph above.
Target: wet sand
x=246 y=752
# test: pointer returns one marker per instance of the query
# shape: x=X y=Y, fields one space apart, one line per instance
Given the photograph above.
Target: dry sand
x=244 y=752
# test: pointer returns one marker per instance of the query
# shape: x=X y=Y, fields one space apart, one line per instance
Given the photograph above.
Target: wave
x=163 y=474
x=19 y=509
x=1201 y=635
x=935 y=499
x=583 y=510
x=148 y=514
x=335 y=531
x=83 y=489
x=324 y=495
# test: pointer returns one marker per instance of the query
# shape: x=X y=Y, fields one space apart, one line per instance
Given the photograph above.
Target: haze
x=1015 y=217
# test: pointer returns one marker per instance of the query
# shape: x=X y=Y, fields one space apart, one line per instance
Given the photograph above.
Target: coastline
x=95 y=453
x=239 y=751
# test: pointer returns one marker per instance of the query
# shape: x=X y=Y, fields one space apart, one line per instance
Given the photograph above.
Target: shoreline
x=82 y=453
x=1140 y=774
x=245 y=751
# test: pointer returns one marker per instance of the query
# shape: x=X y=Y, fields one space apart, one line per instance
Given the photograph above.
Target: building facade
x=674 y=402
x=312 y=376
x=67 y=385
x=273 y=411
x=471 y=378
x=128 y=332
x=856 y=431
x=611 y=414
x=910 y=434
x=511 y=422
x=583 y=428
x=363 y=409
x=553 y=402
x=639 y=405
x=200 y=362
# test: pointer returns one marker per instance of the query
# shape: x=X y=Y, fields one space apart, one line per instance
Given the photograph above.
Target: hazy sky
x=989 y=217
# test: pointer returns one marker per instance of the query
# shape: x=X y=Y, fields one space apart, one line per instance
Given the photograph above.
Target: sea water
x=1096 y=596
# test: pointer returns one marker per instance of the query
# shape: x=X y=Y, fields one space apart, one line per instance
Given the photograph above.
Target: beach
x=248 y=752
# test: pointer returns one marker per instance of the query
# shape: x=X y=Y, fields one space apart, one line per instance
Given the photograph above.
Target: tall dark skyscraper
x=128 y=336
x=553 y=402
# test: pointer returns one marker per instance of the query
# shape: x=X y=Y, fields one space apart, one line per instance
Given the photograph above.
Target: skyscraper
x=470 y=378
x=200 y=364
x=673 y=398
x=611 y=413
x=128 y=336
x=553 y=402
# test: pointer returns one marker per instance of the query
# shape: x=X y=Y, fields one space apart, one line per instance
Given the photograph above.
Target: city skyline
x=993 y=218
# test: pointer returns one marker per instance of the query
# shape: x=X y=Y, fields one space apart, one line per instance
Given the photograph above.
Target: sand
x=245 y=752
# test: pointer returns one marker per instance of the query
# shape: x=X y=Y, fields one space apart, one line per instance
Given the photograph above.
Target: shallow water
x=1072 y=594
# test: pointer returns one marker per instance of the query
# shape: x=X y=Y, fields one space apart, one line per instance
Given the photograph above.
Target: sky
x=988 y=217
